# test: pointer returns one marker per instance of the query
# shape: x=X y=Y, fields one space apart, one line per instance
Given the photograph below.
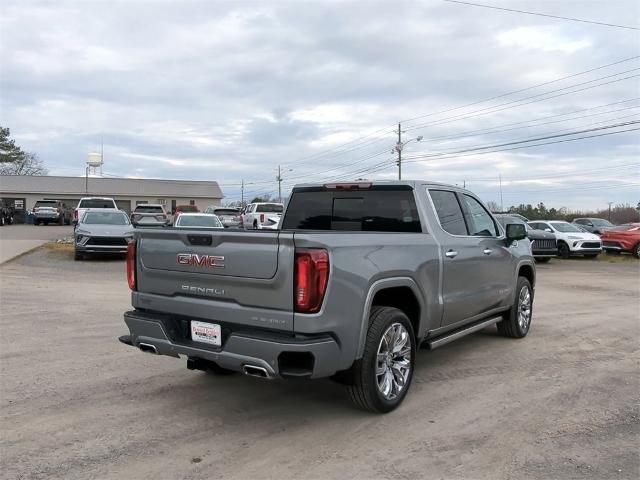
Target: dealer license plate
x=206 y=333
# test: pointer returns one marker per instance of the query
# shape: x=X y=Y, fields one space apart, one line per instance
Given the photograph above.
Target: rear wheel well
x=526 y=271
x=403 y=299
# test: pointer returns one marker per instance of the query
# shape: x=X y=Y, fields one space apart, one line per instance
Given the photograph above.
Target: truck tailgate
x=232 y=276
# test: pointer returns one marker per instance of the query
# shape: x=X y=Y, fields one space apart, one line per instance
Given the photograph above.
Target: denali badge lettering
x=193 y=259
x=202 y=290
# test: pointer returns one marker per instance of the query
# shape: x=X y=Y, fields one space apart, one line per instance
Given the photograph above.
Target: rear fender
x=375 y=288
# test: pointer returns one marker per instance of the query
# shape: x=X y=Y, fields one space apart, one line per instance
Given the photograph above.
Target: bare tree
x=25 y=164
x=493 y=206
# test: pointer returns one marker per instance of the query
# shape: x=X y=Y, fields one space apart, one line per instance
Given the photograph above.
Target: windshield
x=149 y=209
x=270 y=208
x=206 y=221
x=226 y=211
x=600 y=222
x=565 y=227
x=96 y=203
x=105 y=218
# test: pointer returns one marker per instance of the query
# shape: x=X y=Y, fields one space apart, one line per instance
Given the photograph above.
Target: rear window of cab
x=372 y=210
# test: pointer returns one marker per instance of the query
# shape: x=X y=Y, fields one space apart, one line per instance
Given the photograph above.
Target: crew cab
x=359 y=276
x=258 y=216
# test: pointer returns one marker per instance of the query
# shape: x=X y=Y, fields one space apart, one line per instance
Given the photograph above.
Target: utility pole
x=501 y=201
x=279 y=179
x=242 y=194
x=610 y=203
x=399 y=150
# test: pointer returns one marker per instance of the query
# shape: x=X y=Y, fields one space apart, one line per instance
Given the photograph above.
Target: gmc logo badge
x=193 y=259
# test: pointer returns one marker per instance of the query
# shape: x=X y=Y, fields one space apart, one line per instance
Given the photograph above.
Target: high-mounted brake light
x=311 y=277
x=348 y=186
x=131 y=264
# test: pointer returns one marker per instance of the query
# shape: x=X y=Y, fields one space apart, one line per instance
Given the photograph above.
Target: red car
x=624 y=238
x=184 y=209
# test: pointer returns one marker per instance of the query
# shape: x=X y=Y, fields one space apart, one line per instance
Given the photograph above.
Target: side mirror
x=516 y=231
x=548 y=230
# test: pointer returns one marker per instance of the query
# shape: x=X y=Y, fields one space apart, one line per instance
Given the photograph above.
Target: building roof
x=101 y=186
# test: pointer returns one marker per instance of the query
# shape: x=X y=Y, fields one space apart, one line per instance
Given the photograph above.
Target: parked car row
x=6 y=213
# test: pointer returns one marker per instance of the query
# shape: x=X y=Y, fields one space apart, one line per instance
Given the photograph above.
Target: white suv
x=262 y=216
x=571 y=240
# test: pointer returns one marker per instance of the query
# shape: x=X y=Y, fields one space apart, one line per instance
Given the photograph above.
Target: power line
x=543 y=15
x=584 y=72
x=534 y=139
x=382 y=166
x=491 y=130
x=536 y=145
x=508 y=105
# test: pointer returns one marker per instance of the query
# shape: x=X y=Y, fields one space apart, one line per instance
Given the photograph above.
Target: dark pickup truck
x=357 y=278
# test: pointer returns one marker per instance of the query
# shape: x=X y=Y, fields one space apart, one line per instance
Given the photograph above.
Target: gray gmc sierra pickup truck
x=357 y=278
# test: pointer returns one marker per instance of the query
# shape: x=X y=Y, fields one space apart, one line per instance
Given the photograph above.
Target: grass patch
x=60 y=247
x=619 y=258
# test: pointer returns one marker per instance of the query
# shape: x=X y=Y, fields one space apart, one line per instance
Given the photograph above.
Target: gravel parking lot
x=77 y=404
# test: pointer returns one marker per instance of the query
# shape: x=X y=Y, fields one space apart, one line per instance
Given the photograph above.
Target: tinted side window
x=449 y=211
x=480 y=222
x=375 y=210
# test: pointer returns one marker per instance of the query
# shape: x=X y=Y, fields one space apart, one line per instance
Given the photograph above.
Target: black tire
x=255 y=225
x=364 y=390
x=2 y=221
x=591 y=255
x=636 y=250
x=77 y=256
x=613 y=252
x=543 y=260
x=36 y=223
x=61 y=221
x=511 y=326
x=563 y=250
x=11 y=220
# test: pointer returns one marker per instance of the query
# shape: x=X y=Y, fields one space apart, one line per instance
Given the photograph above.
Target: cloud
x=541 y=38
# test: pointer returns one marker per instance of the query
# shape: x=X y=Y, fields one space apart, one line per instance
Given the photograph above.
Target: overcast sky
x=228 y=90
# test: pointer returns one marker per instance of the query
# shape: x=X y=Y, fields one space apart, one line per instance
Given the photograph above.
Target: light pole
x=399 y=147
x=279 y=180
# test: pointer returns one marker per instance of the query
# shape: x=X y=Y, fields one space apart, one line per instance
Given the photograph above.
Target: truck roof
x=409 y=183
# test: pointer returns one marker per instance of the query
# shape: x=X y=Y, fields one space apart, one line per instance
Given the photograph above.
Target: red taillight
x=75 y=214
x=312 y=274
x=58 y=210
x=131 y=265
x=262 y=218
x=33 y=210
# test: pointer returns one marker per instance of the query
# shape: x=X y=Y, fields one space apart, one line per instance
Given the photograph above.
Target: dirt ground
x=77 y=404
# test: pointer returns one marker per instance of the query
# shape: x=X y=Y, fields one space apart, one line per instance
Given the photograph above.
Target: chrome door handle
x=487 y=251
x=450 y=253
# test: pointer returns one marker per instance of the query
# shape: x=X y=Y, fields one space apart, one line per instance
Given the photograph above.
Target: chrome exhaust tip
x=147 y=347
x=254 y=371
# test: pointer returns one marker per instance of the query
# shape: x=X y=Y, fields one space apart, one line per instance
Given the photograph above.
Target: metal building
x=22 y=191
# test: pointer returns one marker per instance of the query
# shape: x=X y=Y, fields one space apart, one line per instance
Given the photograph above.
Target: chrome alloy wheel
x=524 y=308
x=393 y=365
